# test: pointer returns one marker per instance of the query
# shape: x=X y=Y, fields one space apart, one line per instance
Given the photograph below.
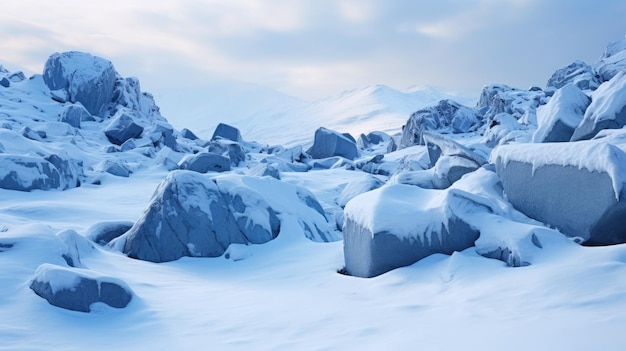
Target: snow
x=286 y=294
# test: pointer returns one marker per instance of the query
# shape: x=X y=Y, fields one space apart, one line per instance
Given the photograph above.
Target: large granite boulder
x=397 y=225
x=577 y=73
x=26 y=173
x=446 y=117
x=558 y=119
x=607 y=109
x=122 y=128
x=575 y=187
x=204 y=162
x=329 y=143
x=84 y=78
x=78 y=289
x=189 y=216
x=192 y=215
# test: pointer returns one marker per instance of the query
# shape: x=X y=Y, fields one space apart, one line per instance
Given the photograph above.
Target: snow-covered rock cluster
x=521 y=171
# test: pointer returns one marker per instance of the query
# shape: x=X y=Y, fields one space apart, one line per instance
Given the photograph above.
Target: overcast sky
x=315 y=48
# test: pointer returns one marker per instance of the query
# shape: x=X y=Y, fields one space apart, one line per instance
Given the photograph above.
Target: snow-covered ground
x=289 y=293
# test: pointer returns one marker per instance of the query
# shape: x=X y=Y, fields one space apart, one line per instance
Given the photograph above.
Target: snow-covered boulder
x=369 y=140
x=74 y=114
x=439 y=145
x=501 y=130
x=357 y=187
x=607 y=109
x=225 y=147
x=397 y=225
x=558 y=119
x=84 y=78
x=204 y=162
x=612 y=61
x=70 y=171
x=449 y=169
x=188 y=134
x=264 y=170
x=122 y=128
x=577 y=73
x=225 y=131
x=103 y=232
x=577 y=188
x=446 y=117
x=78 y=289
x=521 y=104
x=26 y=173
x=187 y=216
x=329 y=143
x=113 y=167
x=516 y=243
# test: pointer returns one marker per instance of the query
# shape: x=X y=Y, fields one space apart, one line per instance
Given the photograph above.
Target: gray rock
x=103 y=232
x=373 y=245
x=449 y=169
x=233 y=150
x=122 y=128
x=86 y=79
x=607 y=109
x=36 y=135
x=446 y=117
x=577 y=73
x=204 y=162
x=225 y=131
x=187 y=134
x=577 y=188
x=265 y=170
x=5 y=82
x=74 y=114
x=190 y=216
x=70 y=171
x=558 y=119
x=329 y=143
x=26 y=173
x=77 y=289
x=114 y=168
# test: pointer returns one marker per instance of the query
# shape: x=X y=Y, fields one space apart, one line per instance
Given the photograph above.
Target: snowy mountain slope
x=287 y=294
x=270 y=117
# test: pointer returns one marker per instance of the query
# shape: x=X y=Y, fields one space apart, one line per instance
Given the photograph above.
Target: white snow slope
x=286 y=294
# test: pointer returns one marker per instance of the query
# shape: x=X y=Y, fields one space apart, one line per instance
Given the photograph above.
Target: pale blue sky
x=314 y=48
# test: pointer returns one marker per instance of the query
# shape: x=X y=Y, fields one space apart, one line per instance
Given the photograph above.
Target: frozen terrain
x=78 y=186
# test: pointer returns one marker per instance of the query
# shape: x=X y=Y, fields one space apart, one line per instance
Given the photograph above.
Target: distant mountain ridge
x=268 y=116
